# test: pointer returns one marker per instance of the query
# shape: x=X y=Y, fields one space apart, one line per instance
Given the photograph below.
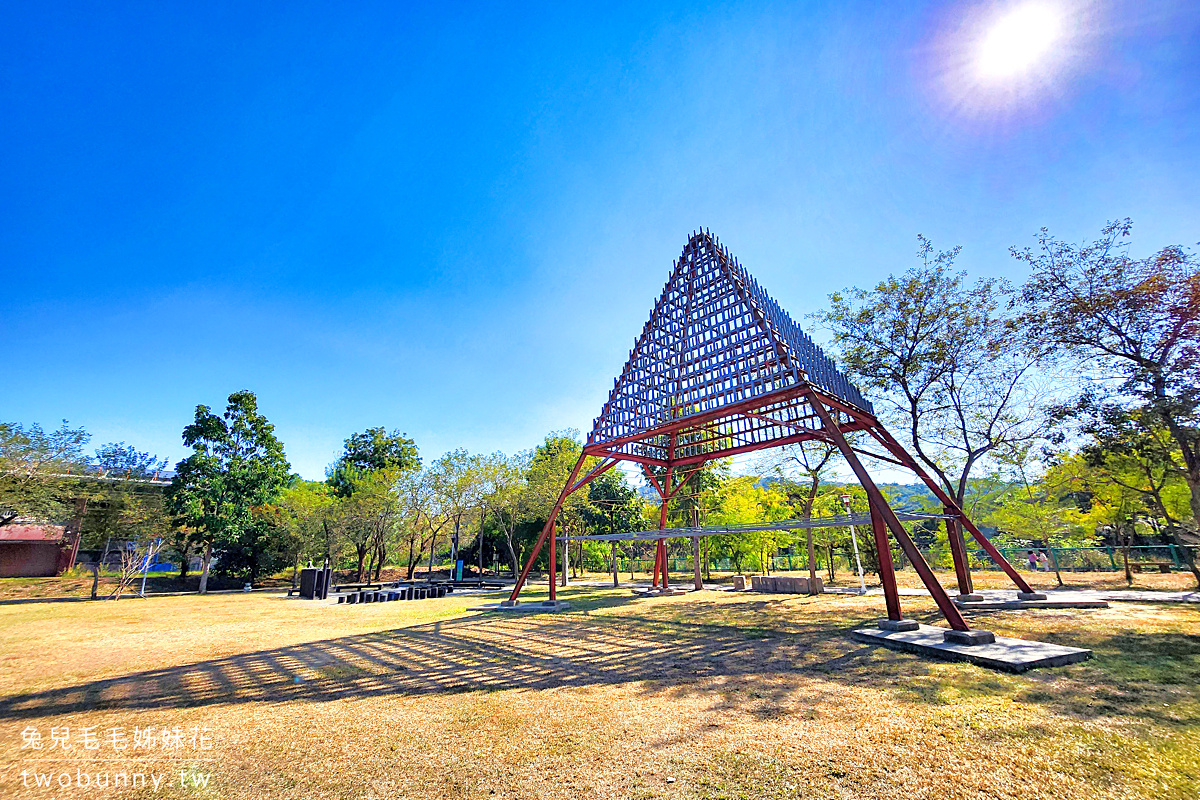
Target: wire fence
x=1149 y=558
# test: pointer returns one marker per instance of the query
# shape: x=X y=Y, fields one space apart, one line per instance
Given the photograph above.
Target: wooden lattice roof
x=719 y=368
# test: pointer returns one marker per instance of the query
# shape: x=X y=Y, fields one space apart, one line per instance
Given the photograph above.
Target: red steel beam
x=893 y=446
x=546 y=529
x=944 y=603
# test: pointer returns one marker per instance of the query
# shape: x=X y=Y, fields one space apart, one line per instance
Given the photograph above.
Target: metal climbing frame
x=720 y=369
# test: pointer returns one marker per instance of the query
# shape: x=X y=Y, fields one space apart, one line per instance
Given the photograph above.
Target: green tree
x=507 y=497
x=549 y=467
x=305 y=506
x=118 y=459
x=458 y=480
x=802 y=467
x=1132 y=328
x=33 y=467
x=237 y=465
x=374 y=449
x=949 y=367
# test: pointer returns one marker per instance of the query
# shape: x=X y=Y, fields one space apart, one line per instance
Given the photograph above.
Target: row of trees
x=1060 y=412
x=1078 y=390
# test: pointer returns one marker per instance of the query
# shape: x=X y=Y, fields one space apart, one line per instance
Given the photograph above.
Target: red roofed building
x=33 y=551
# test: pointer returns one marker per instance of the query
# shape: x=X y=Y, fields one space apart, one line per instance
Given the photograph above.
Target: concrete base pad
x=1031 y=596
x=1012 y=605
x=899 y=625
x=524 y=608
x=968 y=598
x=1010 y=655
x=671 y=592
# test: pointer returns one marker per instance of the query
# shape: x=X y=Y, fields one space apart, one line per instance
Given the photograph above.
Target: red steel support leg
x=944 y=603
x=660 y=552
x=654 y=579
x=546 y=529
x=887 y=574
x=962 y=569
x=899 y=452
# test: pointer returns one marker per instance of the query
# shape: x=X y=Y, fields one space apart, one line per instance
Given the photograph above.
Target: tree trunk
x=697 y=581
x=412 y=565
x=432 y=547
x=1054 y=563
x=1125 y=556
x=1188 y=557
x=95 y=579
x=204 y=568
x=362 y=561
x=513 y=562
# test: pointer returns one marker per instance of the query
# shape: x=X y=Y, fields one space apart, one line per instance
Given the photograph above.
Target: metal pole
x=553 y=562
x=146 y=568
x=616 y=580
x=546 y=529
x=862 y=583
x=480 y=576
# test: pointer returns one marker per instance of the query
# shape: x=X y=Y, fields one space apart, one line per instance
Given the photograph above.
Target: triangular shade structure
x=721 y=369
x=715 y=347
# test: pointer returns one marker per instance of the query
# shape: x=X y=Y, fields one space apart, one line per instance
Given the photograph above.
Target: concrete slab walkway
x=1009 y=655
x=1064 y=595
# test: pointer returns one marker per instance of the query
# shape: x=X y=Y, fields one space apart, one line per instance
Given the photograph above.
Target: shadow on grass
x=607 y=639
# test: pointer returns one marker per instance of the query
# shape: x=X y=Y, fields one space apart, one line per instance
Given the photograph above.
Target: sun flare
x=1019 y=41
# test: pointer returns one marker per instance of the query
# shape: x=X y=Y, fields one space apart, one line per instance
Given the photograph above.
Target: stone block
x=969 y=598
x=969 y=637
x=739 y=583
x=899 y=625
x=1031 y=595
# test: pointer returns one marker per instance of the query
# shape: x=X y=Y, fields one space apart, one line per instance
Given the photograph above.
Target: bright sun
x=1018 y=41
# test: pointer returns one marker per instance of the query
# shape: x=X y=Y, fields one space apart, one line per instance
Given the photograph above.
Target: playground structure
x=720 y=369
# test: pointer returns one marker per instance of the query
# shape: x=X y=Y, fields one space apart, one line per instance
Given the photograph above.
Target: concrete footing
x=546 y=606
x=969 y=598
x=899 y=625
x=1010 y=655
x=1031 y=595
x=670 y=592
x=785 y=584
x=969 y=638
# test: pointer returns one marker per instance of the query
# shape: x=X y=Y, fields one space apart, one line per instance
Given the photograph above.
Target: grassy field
x=708 y=695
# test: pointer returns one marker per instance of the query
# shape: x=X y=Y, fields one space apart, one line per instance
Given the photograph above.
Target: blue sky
x=454 y=219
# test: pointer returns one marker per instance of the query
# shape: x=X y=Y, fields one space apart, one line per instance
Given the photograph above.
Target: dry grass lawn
x=709 y=695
